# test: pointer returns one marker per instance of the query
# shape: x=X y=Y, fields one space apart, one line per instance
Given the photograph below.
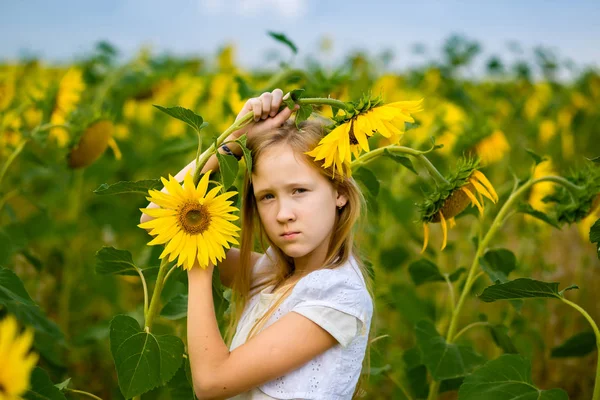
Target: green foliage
x=506 y=378
x=42 y=388
x=522 y=288
x=185 y=115
x=141 y=187
x=228 y=169
x=577 y=345
x=143 y=360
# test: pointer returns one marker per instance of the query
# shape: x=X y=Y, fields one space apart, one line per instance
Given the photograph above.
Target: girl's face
x=296 y=205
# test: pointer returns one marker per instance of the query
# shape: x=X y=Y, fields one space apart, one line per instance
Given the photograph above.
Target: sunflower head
x=574 y=206
x=193 y=222
x=92 y=143
x=466 y=186
x=15 y=353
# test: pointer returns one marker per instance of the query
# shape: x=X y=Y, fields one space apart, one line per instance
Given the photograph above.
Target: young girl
x=302 y=310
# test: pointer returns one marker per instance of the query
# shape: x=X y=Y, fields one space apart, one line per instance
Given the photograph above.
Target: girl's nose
x=285 y=213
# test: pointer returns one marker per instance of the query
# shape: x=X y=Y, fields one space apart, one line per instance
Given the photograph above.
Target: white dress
x=336 y=300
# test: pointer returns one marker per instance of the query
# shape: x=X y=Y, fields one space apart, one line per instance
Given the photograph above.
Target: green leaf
x=16 y=300
x=498 y=263
x=247 y=153
x=595 y=159
x=111 y=261
x=244 y=90
x=176 y=308
x=142 y=187
x=280 y=37
x=578 y=345
x=64 y=384
x=444 y=360
x=499 y=333
x=392 y=259
x=368 y=178
x=143 y=360
x=522 y=288
x=185 y=115
x=228 y=167
x=506 y=378
x=526 y=208
x=180 y=387
x=42 y=388
x=536 y=158
x=423 y=270
x=595 y=235
x=303 y=113
x=405 y=161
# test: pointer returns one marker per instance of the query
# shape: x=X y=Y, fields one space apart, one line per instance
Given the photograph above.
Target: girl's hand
x=266 y=113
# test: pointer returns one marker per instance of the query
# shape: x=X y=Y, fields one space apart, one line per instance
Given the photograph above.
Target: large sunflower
x=16 y=359
x=194 y=224
x=447 y=202
x=362 y=121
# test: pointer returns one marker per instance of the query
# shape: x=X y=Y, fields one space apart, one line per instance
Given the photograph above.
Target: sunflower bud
x=92 y=144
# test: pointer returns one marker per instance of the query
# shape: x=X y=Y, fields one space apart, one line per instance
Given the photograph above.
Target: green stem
x=139 y=271
x=367 y=157
x=170 y=272
x=472 y=325
x=81 y=392
x=496 y=224
x=596 y=395
x=12 y=157
x=155 y=301
x=451 y=292
x=324 y=101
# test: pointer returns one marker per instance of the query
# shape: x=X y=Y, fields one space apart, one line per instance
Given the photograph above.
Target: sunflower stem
x=433 y=172
x=472 y=325
x=170 y=272
x=596 y=395
x=12 y=157
x=482 y=245
x=139 y=271
x=83 y=393
x=155 y=301
x=324 y=101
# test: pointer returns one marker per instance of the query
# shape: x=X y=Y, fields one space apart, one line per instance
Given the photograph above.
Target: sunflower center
x=351 y=134
x=194 y=218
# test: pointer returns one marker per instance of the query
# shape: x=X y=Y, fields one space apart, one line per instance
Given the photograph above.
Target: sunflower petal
x=425 y=236
x=481 y=177
x=473 y=199
x=444 y=230
x=482 y=189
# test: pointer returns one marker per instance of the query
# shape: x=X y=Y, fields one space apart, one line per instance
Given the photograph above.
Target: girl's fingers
x=283 y=115
x=276 y=101
x=265 y=99
x=256 y=108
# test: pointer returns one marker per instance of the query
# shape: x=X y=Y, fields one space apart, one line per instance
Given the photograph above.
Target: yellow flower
x=443 y=210
x=194 y=224
x=350 y=137
x=541 y=190
x=92 y=144
x=492 y=148
x=15 y=359
x=69 y=92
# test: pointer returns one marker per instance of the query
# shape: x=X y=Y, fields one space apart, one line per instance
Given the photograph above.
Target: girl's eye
x=299 y=190
x=266 y=196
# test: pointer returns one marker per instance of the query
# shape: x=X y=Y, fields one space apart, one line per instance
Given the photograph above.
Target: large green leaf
x=114 y=261
x=578 y=345
x=176 y=308
x=522 y=288
x=185 y=115
x=498 y=263
x=246 y=151
x=368 y=178
x=143 y=360
x=423 y=271
x=142 y=187
x=228 y=167
x=445 y=360
x=16 y=300
x=180 y=386
x=42 y=388
x=595 y=235
x=405 y=161
x=506 y=378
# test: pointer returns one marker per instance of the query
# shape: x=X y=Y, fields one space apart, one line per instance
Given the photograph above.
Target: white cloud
x=252 y=8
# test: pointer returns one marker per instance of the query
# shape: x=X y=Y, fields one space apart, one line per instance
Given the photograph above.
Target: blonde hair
x=341 y=247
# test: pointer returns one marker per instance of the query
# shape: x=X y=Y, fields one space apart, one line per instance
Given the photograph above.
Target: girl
x=302 y=310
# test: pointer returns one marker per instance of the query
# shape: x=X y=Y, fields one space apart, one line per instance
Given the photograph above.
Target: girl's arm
x=217 y=373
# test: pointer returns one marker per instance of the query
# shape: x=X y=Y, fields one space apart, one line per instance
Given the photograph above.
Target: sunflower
x=447 y=202
x=365 y=118
x=194 y=224
x=14 y=352
x=69 y=92
x=92 y=144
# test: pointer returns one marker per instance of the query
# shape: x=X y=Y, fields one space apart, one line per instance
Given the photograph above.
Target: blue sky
x=61 y=30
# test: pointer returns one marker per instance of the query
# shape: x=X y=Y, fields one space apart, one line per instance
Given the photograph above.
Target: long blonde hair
x=341 y=247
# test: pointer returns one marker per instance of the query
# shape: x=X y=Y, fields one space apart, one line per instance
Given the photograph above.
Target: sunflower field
x=482 y=230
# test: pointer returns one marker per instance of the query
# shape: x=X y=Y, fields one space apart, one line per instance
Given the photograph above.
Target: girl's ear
x=341 y=199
